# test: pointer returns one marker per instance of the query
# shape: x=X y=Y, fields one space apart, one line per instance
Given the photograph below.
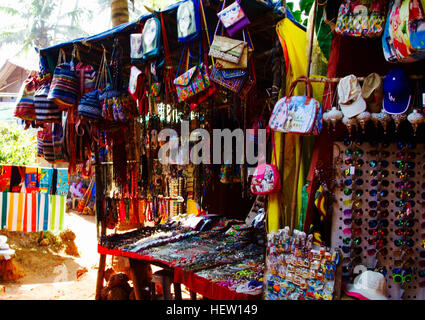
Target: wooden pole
x=99 y=220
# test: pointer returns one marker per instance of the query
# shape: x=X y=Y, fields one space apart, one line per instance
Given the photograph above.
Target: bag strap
x=61 y=57
x=269 y=133
x=309 y=89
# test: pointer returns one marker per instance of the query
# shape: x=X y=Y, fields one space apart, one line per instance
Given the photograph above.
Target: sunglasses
x=401 y=203
x=403 y=215
x=409 y=185
x=402 y=145
x=354 y=250
x=372 y=252
x=400 y=164
x=382 y=213
x=352 y=231
x=351 y=162
x=349 y=221
x=378 y=232
x=404 y=252
x=404 y=232
x=356 y=241
x=405 y=223
x=382 y=154
x=358 y=152
x=374 y=223
x=405 y=155
x=402 y=275
x=382 y=204
x=348 y=182
x=421 y=273
x=408 y=194
x=405 y=174
x=375 y=163
x=399 y=242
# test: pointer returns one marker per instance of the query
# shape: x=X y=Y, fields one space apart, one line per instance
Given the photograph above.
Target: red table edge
x=187 y=278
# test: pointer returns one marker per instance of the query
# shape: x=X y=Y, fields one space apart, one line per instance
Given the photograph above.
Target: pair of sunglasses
x=372 y=252
x=405 y=185
x=402 y=275
x=382 y=193
x=382 y=153
x=404 y=232
x=357 y=212
x=350 y=221
x=400 y=164
x=382 y=213
x=352 y=231
x=382 y=204
x=379 y=243
x=358 y=192
x=354 y=204
x=401 y=203
x=403 y=215
x=354 y=250
x=405 y=174
x=378 y=232
x=409 y=223
x=374 y=223
x=357 y=240
x=358 y=152
x=405 y=194
x=375 y=182
x=357 y=162
x=406 y=155
x=374 y=163
x=401 y=145
x=408 y=242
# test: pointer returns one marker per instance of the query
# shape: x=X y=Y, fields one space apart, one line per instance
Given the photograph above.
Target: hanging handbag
x=233 y=18
x=87 y=77
x=359 y=18
x=266 y=178
x=25 y=109
x=151 y=39
x=417 y=24
x=136 y=50
x=192 y=82
x=188 y=21
x=232 y=79
x=297 y=114
x=228 y=49
x=65 y=84
x=46 y=111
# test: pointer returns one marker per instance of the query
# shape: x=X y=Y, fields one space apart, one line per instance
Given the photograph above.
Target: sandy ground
x=53 y=276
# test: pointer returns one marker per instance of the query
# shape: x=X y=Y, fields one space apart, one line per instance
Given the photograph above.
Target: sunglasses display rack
x=378 y=216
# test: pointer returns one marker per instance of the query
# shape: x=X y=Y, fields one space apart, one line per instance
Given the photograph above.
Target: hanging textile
x=45 y=180
x=31 y=179
x=5 y=171
x=62 y=185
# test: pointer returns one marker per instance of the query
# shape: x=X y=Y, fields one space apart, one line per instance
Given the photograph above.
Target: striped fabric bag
x=86 y=77
x=65 y=84
x=25 y=109
x=46 y=111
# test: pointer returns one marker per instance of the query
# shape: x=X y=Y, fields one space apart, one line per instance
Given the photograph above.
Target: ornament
x=349 y=123
x=415 y=119
x=398 y=118
x=334 y=116
x=384 y=118
x=363 y=118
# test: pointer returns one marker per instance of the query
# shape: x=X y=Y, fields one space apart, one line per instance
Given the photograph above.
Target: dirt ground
x=50 y=274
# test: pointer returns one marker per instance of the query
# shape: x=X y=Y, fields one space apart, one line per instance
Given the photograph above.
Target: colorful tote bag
x=188 y=21
x=228 y=78
x=25 y=107
x=64 y=89
x=297 y=114
x=46 y=111
x=361 y=18
x=192 y=82
x=233 y=18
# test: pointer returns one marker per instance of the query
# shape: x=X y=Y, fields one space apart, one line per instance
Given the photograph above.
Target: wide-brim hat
x=369 y=285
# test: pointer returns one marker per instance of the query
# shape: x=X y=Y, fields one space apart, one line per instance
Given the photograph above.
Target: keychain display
x=296 y=270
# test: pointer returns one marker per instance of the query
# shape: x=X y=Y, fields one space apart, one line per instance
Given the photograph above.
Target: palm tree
x=41 y=23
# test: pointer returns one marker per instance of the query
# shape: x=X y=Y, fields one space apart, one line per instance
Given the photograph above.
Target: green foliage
x=17 y=146
x=305 y=7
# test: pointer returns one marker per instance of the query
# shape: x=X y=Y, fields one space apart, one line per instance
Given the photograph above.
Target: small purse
x=233 y=18
x=232 y=79
x=151 y=39
x=266 y=178
x=297 y=114
x=136 y=50
x=227 y=49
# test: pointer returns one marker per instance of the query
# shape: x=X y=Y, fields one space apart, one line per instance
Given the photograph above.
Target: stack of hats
x=5 y=251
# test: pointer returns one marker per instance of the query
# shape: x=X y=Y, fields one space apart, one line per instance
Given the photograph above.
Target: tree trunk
x=119 y=12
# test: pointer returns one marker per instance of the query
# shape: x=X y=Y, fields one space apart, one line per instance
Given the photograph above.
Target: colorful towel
x=31 y=179
x=62 y=185
x=5 y=171
x=45 y=180
x=56 y=212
